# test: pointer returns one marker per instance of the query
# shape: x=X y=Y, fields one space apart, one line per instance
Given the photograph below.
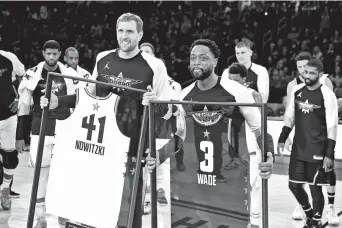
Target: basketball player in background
x=149 y=48
x=71 y=59
x=31 y=88
x=238 y=72
x=298 y=214
x=129 y=66
x=312 y=109
x=176 y=88
x=257 y=79
x=10 y=66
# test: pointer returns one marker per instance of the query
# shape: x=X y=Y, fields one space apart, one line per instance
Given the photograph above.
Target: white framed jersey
x=88 y=157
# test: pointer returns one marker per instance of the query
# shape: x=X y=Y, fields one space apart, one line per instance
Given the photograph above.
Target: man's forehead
x=241 y=49
x=128 y=25
x=302 y=62
x=72 y=53
x=51 y=50
x=201 y=50
x=310 y=68
x=234 y=75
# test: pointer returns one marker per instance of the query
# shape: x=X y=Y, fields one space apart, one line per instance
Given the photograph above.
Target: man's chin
x=51 y=64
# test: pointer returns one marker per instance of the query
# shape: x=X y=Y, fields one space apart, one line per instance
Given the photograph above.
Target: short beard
x=310 y=83
x=51 y=65
x=205 y=74
x=129 y=49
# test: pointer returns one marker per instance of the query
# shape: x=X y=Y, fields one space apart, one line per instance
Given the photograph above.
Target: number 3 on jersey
x=208 y=164
x=90 y=126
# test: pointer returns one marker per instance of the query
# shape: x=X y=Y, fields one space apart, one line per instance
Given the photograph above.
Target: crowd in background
x=172 y=26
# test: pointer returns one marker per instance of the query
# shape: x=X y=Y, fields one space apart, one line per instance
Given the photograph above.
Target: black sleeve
x=68 y=101
x=270 y=145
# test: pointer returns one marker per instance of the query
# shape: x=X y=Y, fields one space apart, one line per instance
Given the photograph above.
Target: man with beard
x=298 y=214
x=312 y=109
x=209 y=125
x=31 y=89
x=131 y=67
x=10 y=67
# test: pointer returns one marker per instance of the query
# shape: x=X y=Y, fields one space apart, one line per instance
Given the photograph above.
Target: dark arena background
x=276 y=30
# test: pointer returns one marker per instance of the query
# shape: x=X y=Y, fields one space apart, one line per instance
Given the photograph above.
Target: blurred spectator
x=172 y=27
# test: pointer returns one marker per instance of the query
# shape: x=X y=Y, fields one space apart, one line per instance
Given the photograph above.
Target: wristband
x=285 y=132
x=22 y=126
x=331 y=149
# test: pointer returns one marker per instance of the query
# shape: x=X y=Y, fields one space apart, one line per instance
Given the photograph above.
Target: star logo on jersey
x=96 y=107
x=206 y=133
x=300 y=94
x=306 y=107
x=121 y=80
x=107 y=66
x=132 y=171
x=56 y=87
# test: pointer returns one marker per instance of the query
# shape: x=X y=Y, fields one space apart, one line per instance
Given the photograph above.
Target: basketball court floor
x=281 y=202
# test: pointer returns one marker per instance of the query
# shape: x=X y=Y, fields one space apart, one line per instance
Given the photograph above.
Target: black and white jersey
x=314 y=115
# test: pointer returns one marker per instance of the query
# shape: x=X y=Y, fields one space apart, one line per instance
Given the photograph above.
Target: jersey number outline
x=208 y=164
x=90 y=126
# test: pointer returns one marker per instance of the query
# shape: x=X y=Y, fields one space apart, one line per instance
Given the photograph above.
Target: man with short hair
x=30 y=89
x=257 y=79
x=207 y=144
x=71 y=59
x=238 y=72
x=298 y=214
x=128 y=65
x=176 y=88
x=312 y=109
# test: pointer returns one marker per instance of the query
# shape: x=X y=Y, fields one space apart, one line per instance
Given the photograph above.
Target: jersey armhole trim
x=96 y=97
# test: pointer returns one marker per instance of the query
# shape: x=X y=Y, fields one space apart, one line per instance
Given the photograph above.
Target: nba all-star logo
x=306 y=107
x=120 y=80
x=206 y=117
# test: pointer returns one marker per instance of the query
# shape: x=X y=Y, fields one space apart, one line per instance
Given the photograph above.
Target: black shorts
x=310 y=173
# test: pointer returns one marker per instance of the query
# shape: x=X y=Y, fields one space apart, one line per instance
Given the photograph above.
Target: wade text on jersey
x=206 y=179
x=90 y=147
